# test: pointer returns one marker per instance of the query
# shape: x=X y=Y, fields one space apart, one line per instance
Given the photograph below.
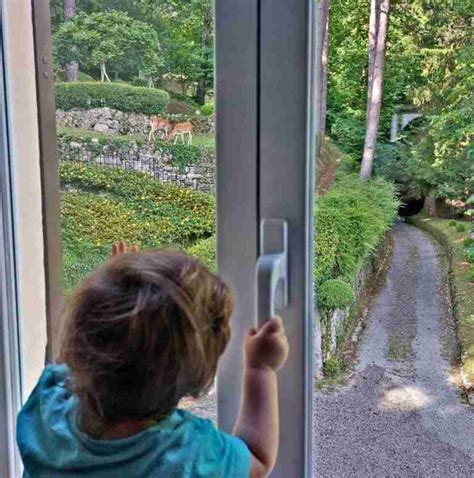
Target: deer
x=157 y=123
x=180 y=129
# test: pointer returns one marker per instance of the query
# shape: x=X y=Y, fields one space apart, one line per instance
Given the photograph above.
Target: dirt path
x=401 y=415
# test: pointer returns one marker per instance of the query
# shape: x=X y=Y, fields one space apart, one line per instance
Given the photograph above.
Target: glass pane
x=135 y=133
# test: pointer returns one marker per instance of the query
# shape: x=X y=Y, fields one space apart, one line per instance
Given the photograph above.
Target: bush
x=335 y=294
x=461 y=228
x=84 y=77
x=468 y=254
x=177 y=107
x=452 y=223
x=135 y=205
x=470 y=275
x=205 y=250
x=207 y=109
x=137 y=81
x=350 y=221
x=468 y=242
x=332 y=368
x=112 y=95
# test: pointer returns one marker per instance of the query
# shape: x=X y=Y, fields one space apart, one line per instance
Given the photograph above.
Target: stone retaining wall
x=108 y=120
x=338 y=324
x=146 y=158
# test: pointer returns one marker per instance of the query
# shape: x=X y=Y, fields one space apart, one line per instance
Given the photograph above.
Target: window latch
x=272 y=268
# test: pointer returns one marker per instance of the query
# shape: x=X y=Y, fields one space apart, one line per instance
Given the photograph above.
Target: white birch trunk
x=373 y=31
x=375 y=103
x=324 y=72
x=72 y=69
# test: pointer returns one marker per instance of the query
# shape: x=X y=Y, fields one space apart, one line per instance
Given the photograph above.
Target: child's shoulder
x=211 y=445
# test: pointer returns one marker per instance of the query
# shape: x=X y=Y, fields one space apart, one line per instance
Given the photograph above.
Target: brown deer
x=157 y=123
x=180 y=129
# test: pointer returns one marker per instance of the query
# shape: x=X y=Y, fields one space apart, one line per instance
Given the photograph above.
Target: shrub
x=332 y=368
x=112 y=95
x=205 y=250
x=470 y=275
x=335 y=294
x=207 y=109
x=177 y=107
x=350 y=220
x=468 y=254
x=84 y=77
x=152 y=213
x=461 y=228
x=137 y=81
x=468 y=242
x=452 y=223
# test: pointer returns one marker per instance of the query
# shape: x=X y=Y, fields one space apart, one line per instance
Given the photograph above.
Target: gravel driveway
x=401 y=414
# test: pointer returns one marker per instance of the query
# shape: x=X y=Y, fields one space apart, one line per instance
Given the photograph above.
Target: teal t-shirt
x=181 y=446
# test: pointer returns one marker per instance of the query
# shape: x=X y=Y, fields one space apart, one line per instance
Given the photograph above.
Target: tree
x=375 y=86
x=72 y=67
x=324 y=14
x=108 y=40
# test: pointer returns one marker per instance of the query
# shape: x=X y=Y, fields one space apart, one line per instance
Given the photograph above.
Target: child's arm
x=266 y=351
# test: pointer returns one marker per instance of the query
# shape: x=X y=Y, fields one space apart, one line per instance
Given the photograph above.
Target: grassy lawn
x=461 y=273
x=204 y=140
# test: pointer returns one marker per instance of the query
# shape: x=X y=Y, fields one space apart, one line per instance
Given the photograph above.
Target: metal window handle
x=272 y=268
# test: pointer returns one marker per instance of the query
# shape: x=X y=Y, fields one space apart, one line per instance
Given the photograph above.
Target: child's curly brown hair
x=145 y=330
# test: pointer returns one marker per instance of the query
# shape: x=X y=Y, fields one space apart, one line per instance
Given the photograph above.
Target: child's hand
x=266 y=347
x=122 y=248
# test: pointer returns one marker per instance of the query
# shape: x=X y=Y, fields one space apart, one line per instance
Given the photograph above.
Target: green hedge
x=87 y=95
x=102 y=205
x=177 y=215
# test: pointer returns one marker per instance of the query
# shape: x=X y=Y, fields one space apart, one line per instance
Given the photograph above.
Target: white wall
x=22 y=106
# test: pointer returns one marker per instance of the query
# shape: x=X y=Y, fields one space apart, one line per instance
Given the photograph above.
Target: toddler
x=144 y=331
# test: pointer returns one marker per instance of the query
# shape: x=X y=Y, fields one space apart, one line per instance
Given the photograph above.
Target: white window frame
x=30 y=266
x=266 y=84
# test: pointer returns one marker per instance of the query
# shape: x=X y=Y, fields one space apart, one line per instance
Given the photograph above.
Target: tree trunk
x=324 y=69
x=373 y=32
x=375 y=103
x=430 y=204
x=202 y=84
x=72 y=69
x=201 y=92
x=103 y=73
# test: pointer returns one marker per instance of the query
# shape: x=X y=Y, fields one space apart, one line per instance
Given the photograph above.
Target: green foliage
x=468 y=242
x=468 y=253
x=179 y=155
x=112 y=95
x=84 y=77
x=207 y=109
x=335 y=294
x=80 y=258
x=460 y=228
x=470 y=275
x=146 y=211
x=100 y=206
x=177 y=107
x=112 y=39
x=452 y=223
x=205 y=250
x=332 y=368
x=182 y=155
x=350 y=221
